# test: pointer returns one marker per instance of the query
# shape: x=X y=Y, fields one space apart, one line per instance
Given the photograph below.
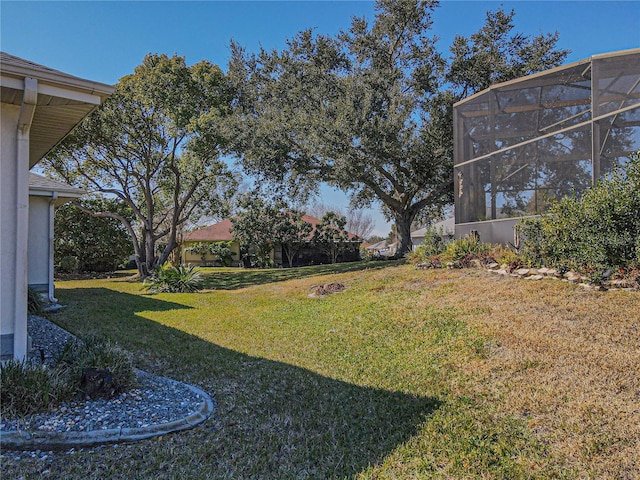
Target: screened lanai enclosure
x=521 y=144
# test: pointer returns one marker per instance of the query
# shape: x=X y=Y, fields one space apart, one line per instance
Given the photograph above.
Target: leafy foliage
x=100 y=244
x=178 y=279
x=222 y=251
x=68 y=264
x=592 y=234
x=370 y=110
x=462 y=250
x=155 y=145
x=35 y=305
x=330 y=236
x=202 y=249
x=433 y=244
x=292 y=232
x=102 y=354
x=261 y=225
x=253 y=229
x=27 y=388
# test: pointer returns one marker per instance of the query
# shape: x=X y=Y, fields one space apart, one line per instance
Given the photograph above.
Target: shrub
x=69 y=264
x=464 y=249
x=222 y=251
x=432 y=245
x=28 y=388
x=100 y=244
x=505 y=256
x=599 y=232
x=35 y=305
x=179 y=279
x=77 y=357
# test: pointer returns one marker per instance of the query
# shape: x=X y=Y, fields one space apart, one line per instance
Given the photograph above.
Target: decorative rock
x=502 y=271
x=535 y=277
x=523 y=272
x=493 y=265
x=620 y=283
x=475 y=263
x=573 y=277
x=543 y=271
x=451 y=265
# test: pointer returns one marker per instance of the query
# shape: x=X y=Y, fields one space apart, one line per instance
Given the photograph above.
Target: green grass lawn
x=383 y=380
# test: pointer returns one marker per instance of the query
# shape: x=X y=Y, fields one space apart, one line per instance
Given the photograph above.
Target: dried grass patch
x=566 y=361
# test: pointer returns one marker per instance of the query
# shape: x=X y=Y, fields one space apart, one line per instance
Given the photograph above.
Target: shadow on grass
x=225 y=279
x=272 y=419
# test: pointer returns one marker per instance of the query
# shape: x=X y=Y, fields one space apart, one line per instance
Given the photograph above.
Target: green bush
x=222 y=251
x=592 y=234
x=35 y=305
x=179 y=279
x=432 y=245
x=100 y=354
x=28 y=388
x=100 y=244
x=464 y=249
x=69 y=264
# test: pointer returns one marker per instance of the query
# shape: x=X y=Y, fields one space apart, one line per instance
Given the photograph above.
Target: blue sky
x=103 y=41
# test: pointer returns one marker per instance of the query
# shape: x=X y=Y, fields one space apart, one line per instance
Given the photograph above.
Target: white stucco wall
x=38 y=246
x=8 y=207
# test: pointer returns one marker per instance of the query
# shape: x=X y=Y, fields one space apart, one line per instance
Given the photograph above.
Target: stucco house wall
x=8 y=246
x=210 y=260
x=39 y=106
x=44 y=196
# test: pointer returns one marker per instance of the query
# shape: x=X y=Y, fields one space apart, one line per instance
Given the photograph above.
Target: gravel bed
x=156 y=400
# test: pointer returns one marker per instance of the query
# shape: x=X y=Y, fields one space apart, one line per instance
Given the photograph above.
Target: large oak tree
x=369 y=110
x=154 y=145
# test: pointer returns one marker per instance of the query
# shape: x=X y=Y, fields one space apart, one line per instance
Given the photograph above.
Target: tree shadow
x=224 y=279
x=272 y=419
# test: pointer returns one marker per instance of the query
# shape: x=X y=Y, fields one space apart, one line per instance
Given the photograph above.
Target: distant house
x=445 y=228
x=223 y=231
x=39 y=107
x=382 y=249
x=44 y=195
x=218 y=232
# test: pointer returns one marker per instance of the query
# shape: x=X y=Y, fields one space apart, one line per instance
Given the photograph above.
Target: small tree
x=202 y=249
x=253 y=229
x=222 y=251
x=292 y=232
x=330 y=237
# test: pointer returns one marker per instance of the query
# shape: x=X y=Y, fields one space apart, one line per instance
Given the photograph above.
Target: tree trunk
x=403 y=232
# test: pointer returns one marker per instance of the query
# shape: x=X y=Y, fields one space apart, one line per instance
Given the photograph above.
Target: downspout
x=27 y=110
x=52 y=202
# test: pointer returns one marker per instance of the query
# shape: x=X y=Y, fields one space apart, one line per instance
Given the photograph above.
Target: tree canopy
x=330 y=235
x=369 y=110
x=155 y=146
x=99 y=244
x=261 y=225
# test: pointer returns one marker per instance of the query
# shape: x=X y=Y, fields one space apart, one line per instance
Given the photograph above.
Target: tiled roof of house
x=44 y=184
x=217 y=232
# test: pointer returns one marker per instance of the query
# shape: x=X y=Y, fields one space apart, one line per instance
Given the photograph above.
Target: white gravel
x=156 y=400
